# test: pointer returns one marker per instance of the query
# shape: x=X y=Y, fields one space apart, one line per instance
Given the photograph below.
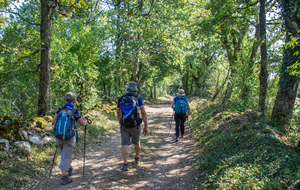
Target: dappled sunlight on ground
x=164 y=164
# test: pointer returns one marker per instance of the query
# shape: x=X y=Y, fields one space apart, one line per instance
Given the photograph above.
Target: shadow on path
x=164 y=163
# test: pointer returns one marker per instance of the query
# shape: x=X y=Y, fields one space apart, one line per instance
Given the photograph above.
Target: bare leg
x=124 y=151
x=137 y=149
x=64 y=172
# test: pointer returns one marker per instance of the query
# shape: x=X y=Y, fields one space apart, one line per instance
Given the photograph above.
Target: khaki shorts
x=67 y=148
x=134 y=133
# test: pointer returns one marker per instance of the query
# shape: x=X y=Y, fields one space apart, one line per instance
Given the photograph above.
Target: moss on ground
x=21 y=167
x=39 y=122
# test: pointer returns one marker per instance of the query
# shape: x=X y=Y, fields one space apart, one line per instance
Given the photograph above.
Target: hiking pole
x=53 y=161
x=171 y=123
x=89 y=122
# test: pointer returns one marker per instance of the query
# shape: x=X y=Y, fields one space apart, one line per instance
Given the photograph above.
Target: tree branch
x=249 y=5
x=33 y=53
x=36 y=24
x=151 y=8
x=62 y=4
x=58 y=11
x=7 y=78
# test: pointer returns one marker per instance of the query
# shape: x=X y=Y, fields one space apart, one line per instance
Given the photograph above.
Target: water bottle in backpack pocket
x=65 y=124
x=130 y=111
x=180 y=105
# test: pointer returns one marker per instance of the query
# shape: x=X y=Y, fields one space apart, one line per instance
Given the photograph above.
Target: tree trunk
x=183 y=82
x=45 y=58
x=137 y=62
x=151 y=93
x=80 y=96
x=230 y=85
x=104 y=91
x=154 y=86
x=263 y=76
x=288 y=84
x=246 y=90
x=218 y=89
x=232 y=56
x=187 y=83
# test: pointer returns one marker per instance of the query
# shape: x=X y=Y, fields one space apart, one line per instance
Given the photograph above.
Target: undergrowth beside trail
x=235 y=152
x=20 y=169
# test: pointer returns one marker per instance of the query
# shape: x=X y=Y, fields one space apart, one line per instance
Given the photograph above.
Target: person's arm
x=54 y=119
x=172 y=104
x=145 y=120
x=82 y=122
x=188 y=107
x=119 y=114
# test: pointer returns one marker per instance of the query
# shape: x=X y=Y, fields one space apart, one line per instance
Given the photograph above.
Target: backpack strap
x=72 y=120
x=136 y=96
x=137 y=99
x=120 y=99
x=181 y=97
x=61 y=108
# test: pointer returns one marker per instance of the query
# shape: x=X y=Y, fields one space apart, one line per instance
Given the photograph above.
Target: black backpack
x=130 y=116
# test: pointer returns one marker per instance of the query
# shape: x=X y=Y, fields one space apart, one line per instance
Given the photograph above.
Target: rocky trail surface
x=164 y=163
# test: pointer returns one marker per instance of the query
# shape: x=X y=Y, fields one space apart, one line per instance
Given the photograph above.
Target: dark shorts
x=126 y=133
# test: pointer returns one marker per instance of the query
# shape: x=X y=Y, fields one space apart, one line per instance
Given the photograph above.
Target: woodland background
x=237 y=60
x=241 y=51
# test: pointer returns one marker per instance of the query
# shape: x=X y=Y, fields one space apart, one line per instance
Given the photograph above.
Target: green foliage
x=96 y=49
x=236 y=152
x=10 y=128
x=163 y=45
x=18 y=168
x=294 y=41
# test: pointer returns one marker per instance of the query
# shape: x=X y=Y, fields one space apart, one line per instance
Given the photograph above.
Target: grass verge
x=236 y=152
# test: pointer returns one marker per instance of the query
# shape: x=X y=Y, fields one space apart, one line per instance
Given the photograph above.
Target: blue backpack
x=180 y=105
x=64 y=128
x=130 y=111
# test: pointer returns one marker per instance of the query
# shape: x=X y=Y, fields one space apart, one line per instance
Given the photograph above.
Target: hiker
x=128 y=107
x=66 y=137
x=182 y=111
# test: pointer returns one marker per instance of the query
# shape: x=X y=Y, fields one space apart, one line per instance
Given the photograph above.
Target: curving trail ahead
x=164 y=163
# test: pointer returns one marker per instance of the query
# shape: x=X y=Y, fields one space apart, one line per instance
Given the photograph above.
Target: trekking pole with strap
x=171 y=123
x=89 y=122
x=53 y=161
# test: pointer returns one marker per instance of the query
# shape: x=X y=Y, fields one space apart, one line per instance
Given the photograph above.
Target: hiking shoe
x=181 y=136
x=65 y=180
x=126 y=167
x=136 y=160
x=176 y=139
x=70 y=171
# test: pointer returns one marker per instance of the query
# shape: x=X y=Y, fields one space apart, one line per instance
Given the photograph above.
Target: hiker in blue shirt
x=128 y=115
x=182 y=111
x=67 y=146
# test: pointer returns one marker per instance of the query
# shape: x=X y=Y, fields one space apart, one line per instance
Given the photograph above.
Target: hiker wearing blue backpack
x=128 y=108
x=182 y=111
x=65 y=133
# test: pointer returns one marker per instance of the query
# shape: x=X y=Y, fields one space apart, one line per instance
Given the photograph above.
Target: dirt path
x=164 y=163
